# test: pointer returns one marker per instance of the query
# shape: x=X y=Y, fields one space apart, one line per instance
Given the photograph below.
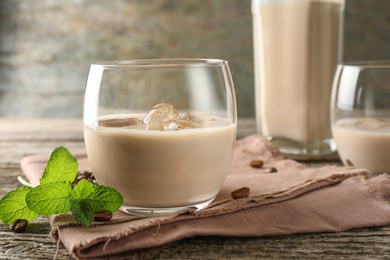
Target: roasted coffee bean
x=349 y=163
x=270 y=170
x=85 y=175
x=240 y=193
x=103 y=216
x=19 y=225
x=257 y=163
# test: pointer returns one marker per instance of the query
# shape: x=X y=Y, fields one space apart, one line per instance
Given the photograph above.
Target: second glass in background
x=361 y=114
x=297 y=45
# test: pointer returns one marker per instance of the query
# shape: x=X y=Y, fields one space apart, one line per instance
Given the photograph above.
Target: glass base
x=322 y=150
x=155 y=212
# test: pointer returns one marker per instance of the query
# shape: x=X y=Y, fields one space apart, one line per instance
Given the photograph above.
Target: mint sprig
x=55 y=194
x=13 y=206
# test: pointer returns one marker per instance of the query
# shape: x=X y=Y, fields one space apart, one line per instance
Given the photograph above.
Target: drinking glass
x=160 y=131
x=297 y=46
x=360 y=114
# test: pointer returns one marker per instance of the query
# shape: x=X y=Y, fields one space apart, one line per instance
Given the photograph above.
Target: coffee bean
x=85 y=175
x=19 y=225
x=349 y=163
x=257 y=163
x=240 y=193
x=270 y=170
x=103 y=216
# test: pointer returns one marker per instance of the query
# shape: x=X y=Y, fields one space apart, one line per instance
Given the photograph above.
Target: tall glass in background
x=297 y=46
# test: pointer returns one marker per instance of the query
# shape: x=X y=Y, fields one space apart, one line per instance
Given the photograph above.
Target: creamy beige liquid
x=364 y=142
x=296 y=53
x=153 y=168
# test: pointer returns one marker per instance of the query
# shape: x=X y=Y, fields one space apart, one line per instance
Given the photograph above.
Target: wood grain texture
x=34 y=243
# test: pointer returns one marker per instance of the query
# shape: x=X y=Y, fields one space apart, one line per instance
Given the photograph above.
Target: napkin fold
x=294 y=199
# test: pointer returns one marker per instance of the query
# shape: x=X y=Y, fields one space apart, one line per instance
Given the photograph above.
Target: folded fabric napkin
x=293 y=199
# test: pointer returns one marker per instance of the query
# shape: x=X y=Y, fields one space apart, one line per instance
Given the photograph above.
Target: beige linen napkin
x=294 y=199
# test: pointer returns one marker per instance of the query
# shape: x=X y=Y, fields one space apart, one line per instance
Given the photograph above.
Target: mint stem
x=24 y=182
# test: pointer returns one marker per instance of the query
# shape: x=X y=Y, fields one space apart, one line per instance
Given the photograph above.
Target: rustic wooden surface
x=22 y=137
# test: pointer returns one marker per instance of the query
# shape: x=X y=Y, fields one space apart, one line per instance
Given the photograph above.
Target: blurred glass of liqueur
x=297 y=46
x=361 y=114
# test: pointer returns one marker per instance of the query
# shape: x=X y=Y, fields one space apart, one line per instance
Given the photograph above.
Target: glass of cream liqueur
x=297 y=46
x=360 y=111
x=160 y=131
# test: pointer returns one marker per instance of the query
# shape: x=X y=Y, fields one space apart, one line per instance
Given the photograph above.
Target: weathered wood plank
x=34 y=243
x=13 y=151
x=359 y=244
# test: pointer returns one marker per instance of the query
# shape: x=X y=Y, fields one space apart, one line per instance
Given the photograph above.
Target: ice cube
x=171 y=125
x=119 y=122
x=370 y=124
x=198 y=117
x=177 y=124
x=160 y=116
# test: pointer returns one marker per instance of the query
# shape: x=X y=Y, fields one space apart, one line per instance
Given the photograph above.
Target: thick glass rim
x=370 y=64
x=155 y=63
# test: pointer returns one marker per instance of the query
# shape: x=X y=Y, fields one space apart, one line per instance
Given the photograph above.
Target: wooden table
x=21 y=137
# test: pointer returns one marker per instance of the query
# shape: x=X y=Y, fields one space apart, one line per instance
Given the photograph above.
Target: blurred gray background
x=46 y=46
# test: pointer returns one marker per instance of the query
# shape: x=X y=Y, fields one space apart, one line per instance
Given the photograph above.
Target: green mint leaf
x=99 y=197
x=13 y=206
x=62 y=166
x=106 y=198
x=82 y=211
x=50 y=198
x=82 y=190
